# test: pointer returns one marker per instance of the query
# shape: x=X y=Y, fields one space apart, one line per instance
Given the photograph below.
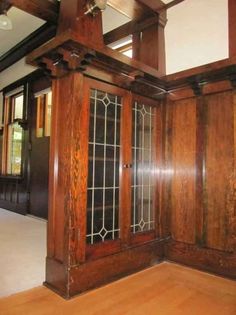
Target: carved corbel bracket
x=232 y=78
x=197 y=88
x=61 y=61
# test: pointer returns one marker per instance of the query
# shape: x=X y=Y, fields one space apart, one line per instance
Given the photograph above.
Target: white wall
x=14 y=73
x=196 y=34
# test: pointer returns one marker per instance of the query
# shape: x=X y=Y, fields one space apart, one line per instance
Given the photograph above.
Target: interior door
x=39 y=146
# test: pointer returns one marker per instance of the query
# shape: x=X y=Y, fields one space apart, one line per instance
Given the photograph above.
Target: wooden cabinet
x=104 y=210
x=121 y=206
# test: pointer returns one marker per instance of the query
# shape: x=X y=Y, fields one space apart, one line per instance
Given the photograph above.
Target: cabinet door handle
x=127 y=166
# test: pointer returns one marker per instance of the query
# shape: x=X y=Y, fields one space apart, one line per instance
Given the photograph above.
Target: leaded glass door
x=121 y=181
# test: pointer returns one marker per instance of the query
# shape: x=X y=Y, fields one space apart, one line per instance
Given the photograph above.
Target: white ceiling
x=23 y=25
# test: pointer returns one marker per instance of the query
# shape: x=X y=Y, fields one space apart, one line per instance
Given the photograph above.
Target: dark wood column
x=85 y=27
x=68 y=173
x=149 y=45
x=69 y=156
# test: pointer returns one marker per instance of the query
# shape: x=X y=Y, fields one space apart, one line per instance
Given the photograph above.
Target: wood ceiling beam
x=44 y=9
x=128 y=29
x=154 y=5
x=48 y=9
x=131 y=8
x=158 y=6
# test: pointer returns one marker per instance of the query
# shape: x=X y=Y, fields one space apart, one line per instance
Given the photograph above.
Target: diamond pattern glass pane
x=143 y=117
x=104 y=163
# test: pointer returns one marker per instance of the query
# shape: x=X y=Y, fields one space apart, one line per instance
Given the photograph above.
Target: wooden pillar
x=149 y=45
x=232 y=27
x=67 y=188
x=68 y=158
x=86 y=27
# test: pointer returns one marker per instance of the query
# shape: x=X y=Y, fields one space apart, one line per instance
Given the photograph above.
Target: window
x=44 y=108
x=13 y=133
x=124 y=46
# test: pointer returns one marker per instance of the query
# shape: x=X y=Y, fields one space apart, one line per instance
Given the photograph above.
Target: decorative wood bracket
x=197 y=88
x=232 y=79
x=66 y=53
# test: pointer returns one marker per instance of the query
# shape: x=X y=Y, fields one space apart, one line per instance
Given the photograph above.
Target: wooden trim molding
x=206 y=259
x=103 y=270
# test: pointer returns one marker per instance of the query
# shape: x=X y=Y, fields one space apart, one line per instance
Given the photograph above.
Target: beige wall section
x=196 y=34
x=14 y=73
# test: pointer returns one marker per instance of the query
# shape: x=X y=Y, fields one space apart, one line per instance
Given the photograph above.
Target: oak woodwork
x=183 y=170
x=214 y=261
x=129 y=28
x=152 y=36
x=220 y=181
x=154 y=5
x=195 y=155
x=100 y=271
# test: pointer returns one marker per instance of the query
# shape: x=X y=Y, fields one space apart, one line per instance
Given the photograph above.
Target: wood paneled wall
x=201 y=156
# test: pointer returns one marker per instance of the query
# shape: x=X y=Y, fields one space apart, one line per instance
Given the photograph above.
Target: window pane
x=43 y=121
x=15 y=135
x=143 y=168
x=48 y=114
x=18 y=106
x=104 y=159
x=40 y=116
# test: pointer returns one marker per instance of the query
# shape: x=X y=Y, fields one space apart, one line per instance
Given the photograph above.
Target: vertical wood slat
x=219 y=169
x=167 y=170
x=200 y=171
x=232 y=222
x=184 y=163
x=158 y=142
x=126 y=173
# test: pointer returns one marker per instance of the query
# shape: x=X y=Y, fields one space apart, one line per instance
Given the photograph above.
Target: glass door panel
x=143 y=185
x=103 y=170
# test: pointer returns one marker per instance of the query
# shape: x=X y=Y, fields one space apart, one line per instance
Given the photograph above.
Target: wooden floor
x=161 y=290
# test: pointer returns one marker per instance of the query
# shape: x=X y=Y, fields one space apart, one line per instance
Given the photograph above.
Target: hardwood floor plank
x=166 y=289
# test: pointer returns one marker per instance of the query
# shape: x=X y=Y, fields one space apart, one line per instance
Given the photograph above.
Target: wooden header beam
x=129 y=28
x=158 y=6
x=48 y=10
